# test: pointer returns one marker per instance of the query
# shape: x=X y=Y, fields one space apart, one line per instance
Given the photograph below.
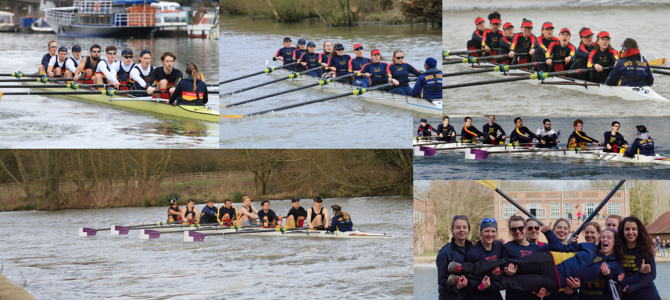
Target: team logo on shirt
x=377 y=70
x=342 y=63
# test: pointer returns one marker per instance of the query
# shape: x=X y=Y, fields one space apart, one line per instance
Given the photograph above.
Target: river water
x=621 y=21
x=42 y=121
x=245 y=47
x=57 y=264
x=452 y=165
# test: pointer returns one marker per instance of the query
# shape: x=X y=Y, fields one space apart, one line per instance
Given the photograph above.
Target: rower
x=137 y=80
x=582 y=53
x=125 y=66
x=190 y=90
x=542 y=43
x=190 y=213
x=425 y=131
x=89 y=64
x=247 y=213
x=522 y=134
x=317 y=216
x=227 y=214
x=642 y=145
x=399 y=71
x=356 y=65
x=338 y=64
x=429 y=84
x=73 y=62
x=341 y=220
x=106 y=70
x=299 y=51
x=470 y=132
x=446 y=131
x=57 y=63
x=208 y=215
x=506 y=42
x=52 y=47
x=375 y=71
x=327 y=49
x=548 y=137
x=491 y=130
x=296 y=215
x=602 y=56
x=523 y=42
x=285 y=54
x=492 y=36
x=267 y=216
x=614 y=141
x=632 y=69
x=174 y=212
x=311 y=60
x=579 y=138
x=562 y=49
x=165 y=76
x=476 y=42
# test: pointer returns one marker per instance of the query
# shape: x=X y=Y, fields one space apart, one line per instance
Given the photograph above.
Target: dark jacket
x=448 y=253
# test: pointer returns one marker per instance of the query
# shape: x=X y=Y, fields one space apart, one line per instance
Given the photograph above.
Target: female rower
x=560 y=50
x=338 y=64
x=492 y=36
x=285 y=54
x=341 y=220
x=398 y=73
x=140 y=73
x=476 y=42
x=523 y=42
x=191 y=90
x=642 y=145
x=583 y=51
x=375 y=71
x=456 y=250
x=612 y=222
x=429 y=84
x=637 y=247
x=311 y=60
x=327 y=49
x=506 y=42
x=614 y=141
x=542 y=43
x=356 y=65
x=602 y=56
x=174 y=212
x=533 y=231
x=487 y=249
x=518 y=247
x=299 y=51
x=190 y=213
x=592 y=232
x=633 y=70
x=561 y=231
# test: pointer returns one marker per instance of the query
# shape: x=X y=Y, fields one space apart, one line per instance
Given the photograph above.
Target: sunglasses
x=111 y=53
x=359 y=48
x=53 y=46
x=339 y=49
x=400 y=57
x=301 y=44
x=128 y=56
x=95 y=51
x=515 y=229
x=536 y=228
x=461 y=217
x=492 y=220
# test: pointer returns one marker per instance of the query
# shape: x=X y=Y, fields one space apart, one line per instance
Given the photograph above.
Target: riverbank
x=12 y=291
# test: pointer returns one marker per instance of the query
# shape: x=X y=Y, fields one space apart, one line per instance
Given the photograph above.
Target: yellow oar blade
x=232 y=116
x=658 y=62
x=492 y=184
x=1 y=93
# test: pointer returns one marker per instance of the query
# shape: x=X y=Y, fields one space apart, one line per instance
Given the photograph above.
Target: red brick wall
x=424 y=216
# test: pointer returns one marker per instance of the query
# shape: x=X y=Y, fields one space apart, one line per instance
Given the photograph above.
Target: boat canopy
x=134 y=2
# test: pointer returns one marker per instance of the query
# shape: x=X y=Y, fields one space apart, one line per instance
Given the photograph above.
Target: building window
x=589 y=208
x=555 y=210
x=613 y=209
x=568 y=210
x=536 y=210
x=508 y=211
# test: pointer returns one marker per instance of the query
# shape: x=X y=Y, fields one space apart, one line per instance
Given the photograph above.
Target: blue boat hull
x=103 y=31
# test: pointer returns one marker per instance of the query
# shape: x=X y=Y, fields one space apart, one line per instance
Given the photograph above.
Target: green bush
x=28 y=206
x=236 y=196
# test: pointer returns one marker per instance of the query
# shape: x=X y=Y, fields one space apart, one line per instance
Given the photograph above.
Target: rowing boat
x=381 y=97
x=203 y=113
x=587 y=87
x=146 y=234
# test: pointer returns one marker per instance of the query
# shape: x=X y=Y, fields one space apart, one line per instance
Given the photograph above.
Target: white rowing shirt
x=52 y=61
x=106 y=70
x=542 y=133
x=70 y=63
x=137 y=73
x=127 y=68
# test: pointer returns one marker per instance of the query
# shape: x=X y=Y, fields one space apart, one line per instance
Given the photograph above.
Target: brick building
x=425 y=222
x=660 y=227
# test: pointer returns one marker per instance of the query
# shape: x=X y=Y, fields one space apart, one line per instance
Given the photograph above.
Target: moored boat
x=7 y=23
x=41 y=26
x=204 y=20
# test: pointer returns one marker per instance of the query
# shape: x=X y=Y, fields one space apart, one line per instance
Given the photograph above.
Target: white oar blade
x=87 y=232
x=472 y=153
x=192 y=236
x=119 y=230
x=146 y=234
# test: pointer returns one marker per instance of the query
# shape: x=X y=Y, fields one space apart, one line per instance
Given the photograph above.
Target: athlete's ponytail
x=192 y=69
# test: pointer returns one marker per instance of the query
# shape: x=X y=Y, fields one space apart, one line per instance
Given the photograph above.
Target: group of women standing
x=616 y=262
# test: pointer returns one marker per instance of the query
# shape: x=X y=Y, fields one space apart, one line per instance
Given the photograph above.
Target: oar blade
x=492 y=184
x=192 y=236
x=427 y=151
x=146 y=234
x=232 y=116
x=476 y=154
x=119 y=230
x=87 y=231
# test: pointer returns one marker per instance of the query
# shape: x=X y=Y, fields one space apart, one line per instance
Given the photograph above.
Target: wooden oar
x=471 y=60
x=293 y=75
x=540 y=76
x=321 y=82
x=268 y=70
x=502 y=68
x=354 y=92
x=447 y=53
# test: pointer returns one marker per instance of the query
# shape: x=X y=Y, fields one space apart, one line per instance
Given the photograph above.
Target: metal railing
x=93 y=7
x=59 y=17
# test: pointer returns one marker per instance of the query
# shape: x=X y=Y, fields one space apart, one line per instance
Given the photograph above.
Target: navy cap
x=311 y=44
x=295 y=200
x=62 y=49
x=424 y=120
x=127 y=51
x=301 y=41
x=338 y=47
x=430 y=63
x=76 y=48
x=145 y=51
x=287 y=39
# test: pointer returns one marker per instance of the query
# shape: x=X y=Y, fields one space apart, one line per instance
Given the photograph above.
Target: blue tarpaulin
x=130 y=2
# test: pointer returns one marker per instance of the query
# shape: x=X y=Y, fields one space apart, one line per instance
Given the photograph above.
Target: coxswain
x=341 y=220
x=578 y=138
x=299 y=51
x=52 y=47
x=425 y=131
x=561 y=50
x=137 y=80
x=356 y=65
x=542 y=43
x=165 y=76
x=642 y=145
x=57 y=63
x=296 y=215
x=506 y=42
x=446 y=132
x=190 y=90
x=285 y=54
x=208 y=215
x=317 y=216
x=174 y=212
x=398 y=73
x=547 y=137
x=311 y=60
x=106 y=70
x=523 y=42
x=247 y=212
x=227 y=214
x=469 y=132
x=327 y=49
x=190 y=213
x=521 y=134
x=375 y=71
x=492 y=36
x=602 y=56
x=73 y=62
x=338 y=64
x=491 y=129
x=632 y=69
x=476 y=42
x=582 y=53
x=429 y=84
x=89 y=64
x=614 y=141
x=267 y=216
x=125 y=66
